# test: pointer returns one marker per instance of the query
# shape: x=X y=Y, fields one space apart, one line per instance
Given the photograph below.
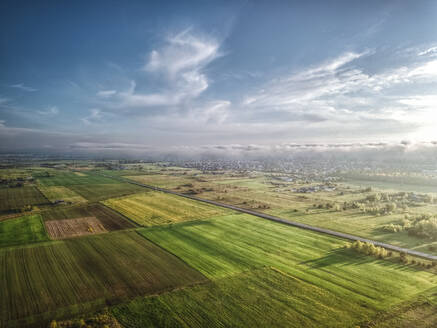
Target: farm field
x=13 y=199
x=23 y=230
x=68 y=178
x=162 y=180
x=61 y=229
x=97 y=192
x=192 y=264
x=420 y=313
x=56 y=193
x=83 y=274
x=157 y=208
x=262 y=194
x=263 y=297
x=230 y=245
x=108 y=218
x=392 y=186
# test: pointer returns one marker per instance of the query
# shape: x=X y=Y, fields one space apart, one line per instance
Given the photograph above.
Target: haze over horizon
x=207 y=76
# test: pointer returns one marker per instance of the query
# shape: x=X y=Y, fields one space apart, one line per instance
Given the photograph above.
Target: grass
x=55 y=193
x=23 y=230
x=259 y=298
x=420 y=313
x=97 y=192
x=70 y=178
x=13 y=199
x=66 y=278
x=157 y=208
x=109 y=219
x=229 y=245
x=162 y=180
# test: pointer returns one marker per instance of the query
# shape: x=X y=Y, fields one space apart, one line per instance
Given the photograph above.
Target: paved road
x=291 y=223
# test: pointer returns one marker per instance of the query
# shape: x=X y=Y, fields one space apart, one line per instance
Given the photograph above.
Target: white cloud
x=106 y=93
x=183 y=52
x=338 y=92
x=95 y=116
x=430 y=52
x=53 y=110
x=23 y=87
x=180 y=63
x=108 y=146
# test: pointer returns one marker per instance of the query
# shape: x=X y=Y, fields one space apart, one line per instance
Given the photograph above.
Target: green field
x=110 y=219
x=23 y=230
x=162 y=180
x=97 y=192
x=56 y=193
x=13 y=199
x=229 y=245
x=63 y=278
x=70 y=178
x=258 y=298
x=157 y=208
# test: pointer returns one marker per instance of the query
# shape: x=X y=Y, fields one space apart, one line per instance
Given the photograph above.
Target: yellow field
x=157 y=208
x=55 y=193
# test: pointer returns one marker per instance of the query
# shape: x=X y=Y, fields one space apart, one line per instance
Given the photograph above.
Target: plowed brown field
x=61 y=229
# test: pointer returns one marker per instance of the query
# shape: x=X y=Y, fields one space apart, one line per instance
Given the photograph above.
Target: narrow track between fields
x=288 y=222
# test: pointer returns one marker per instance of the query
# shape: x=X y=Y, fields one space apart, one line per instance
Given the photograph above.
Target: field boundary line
x=122 y=215
x=167 y=251
x=288 y=222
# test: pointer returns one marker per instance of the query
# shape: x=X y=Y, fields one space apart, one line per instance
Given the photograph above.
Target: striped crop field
x=260 y=298
x=158 y=208
x=67 y=277
x=229 y=245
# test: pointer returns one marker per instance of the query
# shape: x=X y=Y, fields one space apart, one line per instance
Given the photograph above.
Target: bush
x=370 y=249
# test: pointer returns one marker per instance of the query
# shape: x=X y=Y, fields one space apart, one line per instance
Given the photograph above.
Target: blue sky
x=137 y=75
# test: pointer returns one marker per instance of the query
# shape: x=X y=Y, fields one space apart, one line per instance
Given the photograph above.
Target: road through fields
x=288 y=222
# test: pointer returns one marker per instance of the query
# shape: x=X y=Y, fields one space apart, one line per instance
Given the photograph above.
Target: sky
x=182 y=75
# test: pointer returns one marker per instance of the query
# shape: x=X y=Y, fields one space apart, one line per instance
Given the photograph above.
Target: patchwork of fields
x=183 y=263
x=80 y=274
x=266 y=195
x=157 y=208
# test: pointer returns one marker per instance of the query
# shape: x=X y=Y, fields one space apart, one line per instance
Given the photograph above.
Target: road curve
x=291 y=223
